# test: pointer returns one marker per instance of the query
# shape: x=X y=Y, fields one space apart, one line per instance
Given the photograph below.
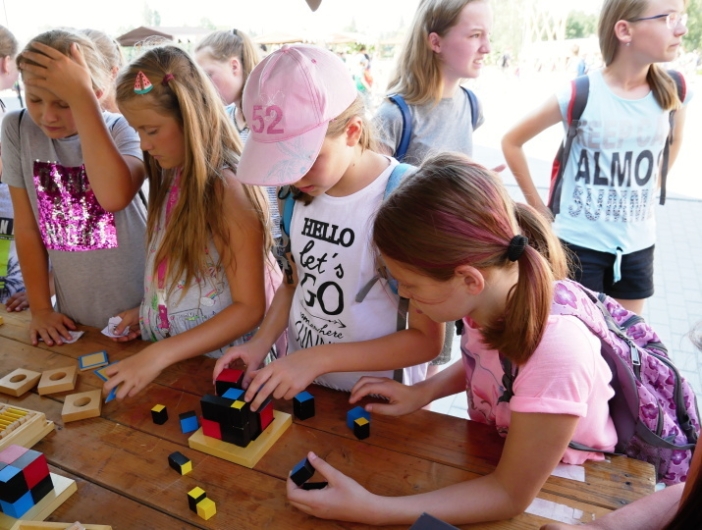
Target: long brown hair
x=418 y=73
x=662 y=85
x=211 y=145
x=454 y=212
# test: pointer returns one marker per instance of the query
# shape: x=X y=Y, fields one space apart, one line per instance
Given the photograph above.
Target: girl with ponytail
x=605 y=211
x=460 y=248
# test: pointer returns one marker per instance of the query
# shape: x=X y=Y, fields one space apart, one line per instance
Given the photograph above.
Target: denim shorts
x=595 y=270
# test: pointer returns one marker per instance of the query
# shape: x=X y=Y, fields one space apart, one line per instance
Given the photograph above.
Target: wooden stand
x=23 y=524
x=27 y=428
x=244 y=456
x=82 y=405
x=18 y=382
x=63 y=488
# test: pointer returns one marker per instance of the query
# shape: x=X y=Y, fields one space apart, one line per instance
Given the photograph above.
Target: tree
x=157 y=18
x=580 y=25
x=693 y=39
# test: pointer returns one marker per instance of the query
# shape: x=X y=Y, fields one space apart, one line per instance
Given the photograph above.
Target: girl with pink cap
x=308 y=130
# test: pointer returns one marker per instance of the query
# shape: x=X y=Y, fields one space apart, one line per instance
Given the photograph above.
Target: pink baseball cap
x=288 y=101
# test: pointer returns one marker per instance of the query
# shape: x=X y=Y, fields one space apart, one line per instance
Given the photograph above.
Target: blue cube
x=188 y=422
x=354 y=414
x=234 y=394
x=18 y=508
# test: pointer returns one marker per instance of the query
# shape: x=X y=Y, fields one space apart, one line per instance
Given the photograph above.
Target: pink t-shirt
x=565 y=375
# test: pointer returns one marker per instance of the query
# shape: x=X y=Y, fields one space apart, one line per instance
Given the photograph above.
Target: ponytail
x=663 y=88
x=453 y=212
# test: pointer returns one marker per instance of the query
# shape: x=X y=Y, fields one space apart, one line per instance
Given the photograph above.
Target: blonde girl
x=447 y=44
x=208 y=241
x=309 y=130
x=73 y=172
x=460 y=248
x=605 y=214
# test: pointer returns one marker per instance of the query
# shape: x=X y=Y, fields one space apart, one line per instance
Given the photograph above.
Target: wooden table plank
x=417 y=452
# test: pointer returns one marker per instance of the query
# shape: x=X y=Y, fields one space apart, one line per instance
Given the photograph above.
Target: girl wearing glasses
x=606 y=208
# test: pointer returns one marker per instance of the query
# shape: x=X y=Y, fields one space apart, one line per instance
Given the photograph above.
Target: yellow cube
x=206 y=508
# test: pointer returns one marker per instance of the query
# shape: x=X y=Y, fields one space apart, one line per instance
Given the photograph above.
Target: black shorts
x=595 y=270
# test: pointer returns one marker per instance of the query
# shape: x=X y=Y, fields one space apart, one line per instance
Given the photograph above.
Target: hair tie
x=167 y=78
x=516 y=247
x=142 y=85
x=235 y=32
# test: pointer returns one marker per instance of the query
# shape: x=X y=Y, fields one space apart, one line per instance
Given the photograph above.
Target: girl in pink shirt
x=459 y=247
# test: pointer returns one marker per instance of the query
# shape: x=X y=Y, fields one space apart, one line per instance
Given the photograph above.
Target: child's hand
x=51 y=326
x=402 y=399
x=134 y=373
x=17 y=302
x=283 y=378
x=130 y=319
x=66 y=77
x=343 y=499
x=251 y=354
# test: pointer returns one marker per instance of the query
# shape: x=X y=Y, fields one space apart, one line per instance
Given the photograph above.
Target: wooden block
x=93 y=360
x=18 y=382
x=206 y=508
x=82 y=405
x=63 y=488
x=58 y=380
x=23 y=524
x=244 y=456
x=22 y=426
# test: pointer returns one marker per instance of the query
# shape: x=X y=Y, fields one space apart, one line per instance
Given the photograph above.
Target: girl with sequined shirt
x=73 y=172
x=209 y=265
x=459 y=247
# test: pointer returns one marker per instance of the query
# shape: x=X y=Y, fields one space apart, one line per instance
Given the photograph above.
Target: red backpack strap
x=580 y=89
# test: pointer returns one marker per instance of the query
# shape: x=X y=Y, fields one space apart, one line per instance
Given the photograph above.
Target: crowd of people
x=281 y=232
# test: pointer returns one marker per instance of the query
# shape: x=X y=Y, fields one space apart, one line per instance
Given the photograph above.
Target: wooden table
x=120 y=459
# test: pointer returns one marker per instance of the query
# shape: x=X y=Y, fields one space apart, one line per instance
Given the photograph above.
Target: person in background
x=73 y=171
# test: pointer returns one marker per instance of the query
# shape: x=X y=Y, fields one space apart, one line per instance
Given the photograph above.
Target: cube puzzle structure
x=228 y=417
x=230 y=429
x=24 y=480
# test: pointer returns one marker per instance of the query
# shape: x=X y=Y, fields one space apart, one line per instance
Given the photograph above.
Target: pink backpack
x=654 y=409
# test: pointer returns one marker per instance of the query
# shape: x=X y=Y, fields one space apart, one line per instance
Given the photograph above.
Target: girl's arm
x=402 y=399
x=245 y=275
x=274 y=324
x=46 y=323
x=534 y=446
x=114 y=178
x=512 y=147
x=286 y=377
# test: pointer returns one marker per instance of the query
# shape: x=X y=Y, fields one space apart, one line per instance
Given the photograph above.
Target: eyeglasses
x=672 y=20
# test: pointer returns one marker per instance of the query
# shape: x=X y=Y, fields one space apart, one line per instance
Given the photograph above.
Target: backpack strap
x=580 y=89
x=474 y=107
x=285 y=195
x=401 y=150
x=507 y=379
x=681 y=87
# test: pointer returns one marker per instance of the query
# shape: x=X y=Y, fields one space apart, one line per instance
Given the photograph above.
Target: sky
x=26 y=18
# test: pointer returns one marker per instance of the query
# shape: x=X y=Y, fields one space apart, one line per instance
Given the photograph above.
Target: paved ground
x=676 y=307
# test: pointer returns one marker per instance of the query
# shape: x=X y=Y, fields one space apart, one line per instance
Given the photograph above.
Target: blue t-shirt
x=611 y=177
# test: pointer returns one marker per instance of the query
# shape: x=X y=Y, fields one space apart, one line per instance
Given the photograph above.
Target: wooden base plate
x=63 y=488
x=22 y=524
x=244 y=456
